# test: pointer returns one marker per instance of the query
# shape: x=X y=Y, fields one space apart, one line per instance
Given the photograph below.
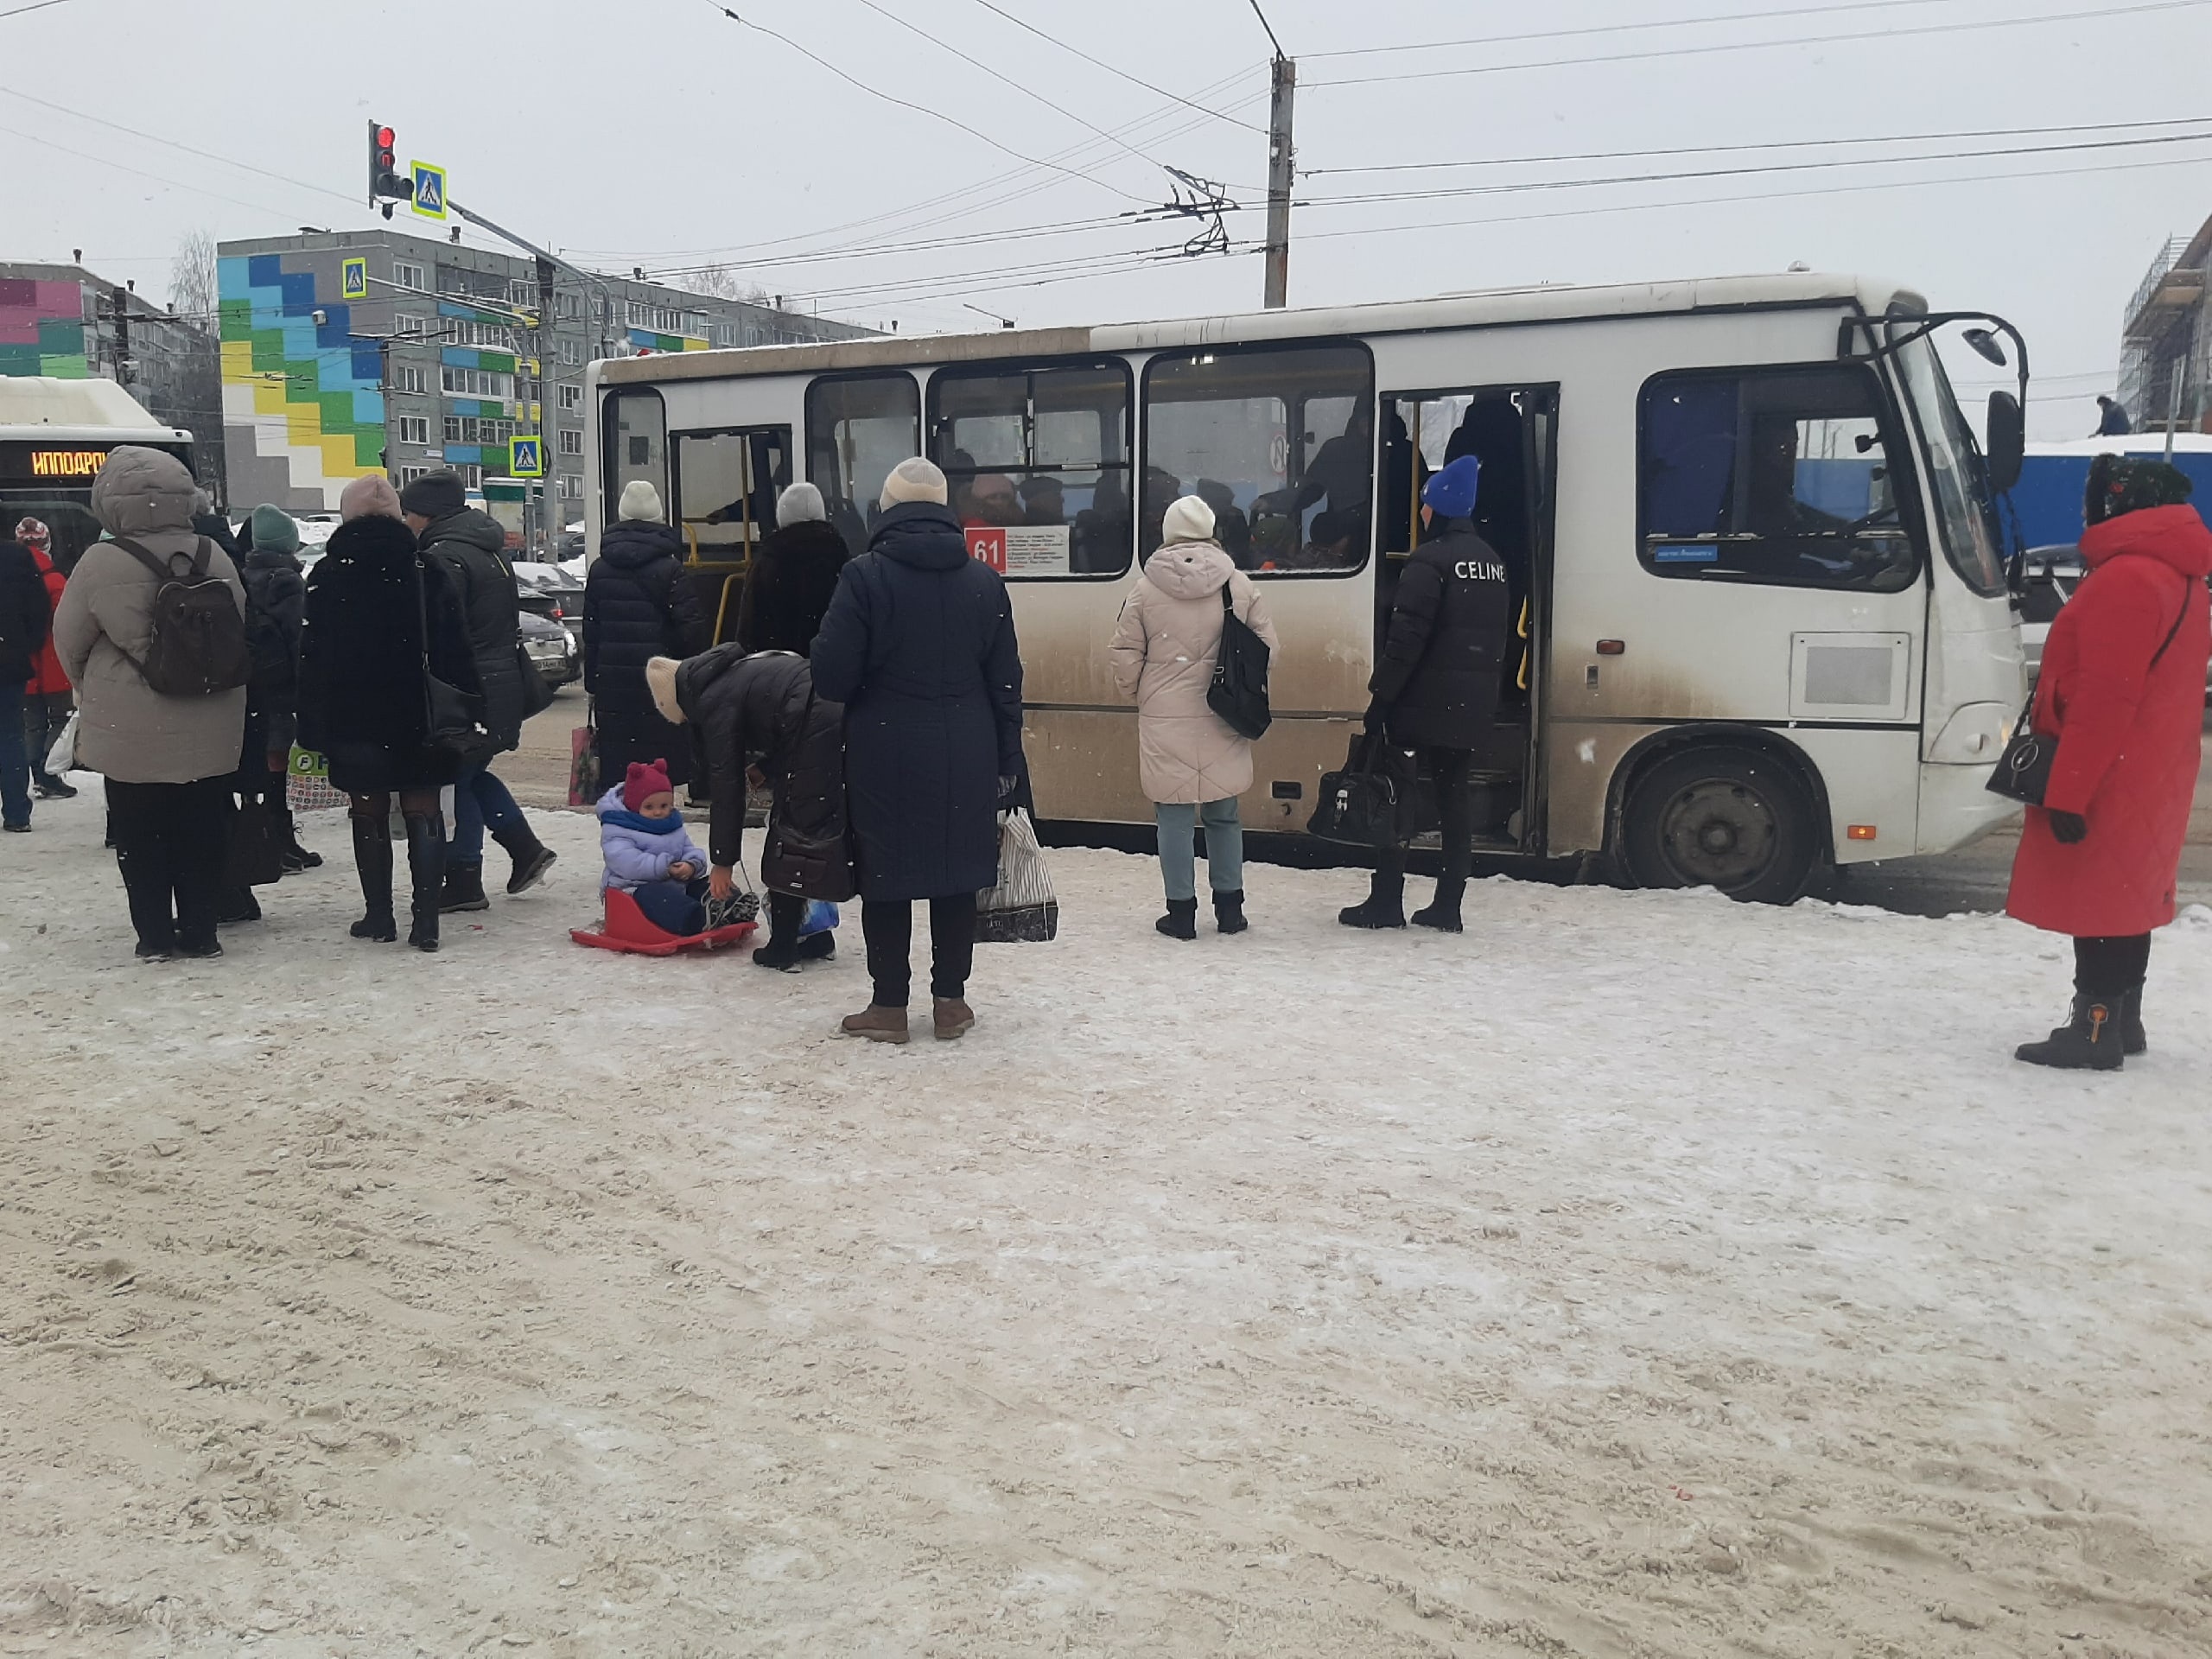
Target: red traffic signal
x=386 y=186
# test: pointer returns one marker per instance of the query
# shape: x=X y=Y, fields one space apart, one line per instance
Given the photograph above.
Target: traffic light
x=385 y=184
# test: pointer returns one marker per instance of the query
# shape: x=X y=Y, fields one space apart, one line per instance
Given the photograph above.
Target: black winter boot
x=531 y=856
x=1181 y=921
x=1385 y=905
x=372 y=858
x=239 y=904
x=2090 y=1041
x=2132 y=1039
x=464 y=888
x=1229 y=912
x=426 y=860
x=1443 y=911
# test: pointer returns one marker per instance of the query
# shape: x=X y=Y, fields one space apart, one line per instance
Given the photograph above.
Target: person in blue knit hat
x=1435 y=689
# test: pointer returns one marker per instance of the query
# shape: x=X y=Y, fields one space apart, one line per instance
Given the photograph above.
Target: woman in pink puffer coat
x=1194 y=766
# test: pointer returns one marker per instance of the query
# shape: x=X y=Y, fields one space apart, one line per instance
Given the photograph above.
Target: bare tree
x=723 y=283
x=193 y=285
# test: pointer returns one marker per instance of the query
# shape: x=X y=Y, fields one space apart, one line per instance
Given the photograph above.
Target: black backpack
x=198 y=647
x=1239 y=691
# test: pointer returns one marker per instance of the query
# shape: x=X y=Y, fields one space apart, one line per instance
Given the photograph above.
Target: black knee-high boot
x=426 y=866
x=372 y=858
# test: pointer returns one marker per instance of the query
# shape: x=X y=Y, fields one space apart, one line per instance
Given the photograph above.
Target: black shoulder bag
x=1239 y=691
x=2022 y=772
x=453 y=719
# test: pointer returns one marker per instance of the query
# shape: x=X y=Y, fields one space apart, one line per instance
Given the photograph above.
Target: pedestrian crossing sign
x=353 y=279
x=429 y=189
x=526 y=458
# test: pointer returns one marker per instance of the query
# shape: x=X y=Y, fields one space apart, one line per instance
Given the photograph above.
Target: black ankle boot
x=1229 y=912
x=426 y=861
x=531 y=857
x=372 y=858
x=1385 y=905
x=2132 y=1039
x=464 y=887
x=1443 y=911
x=2090 y=1041
x=1181 y=921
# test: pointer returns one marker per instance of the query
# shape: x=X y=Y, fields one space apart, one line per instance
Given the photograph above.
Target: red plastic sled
x=626 y=928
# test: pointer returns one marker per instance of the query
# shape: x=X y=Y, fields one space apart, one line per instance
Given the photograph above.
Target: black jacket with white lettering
x=1441 y=657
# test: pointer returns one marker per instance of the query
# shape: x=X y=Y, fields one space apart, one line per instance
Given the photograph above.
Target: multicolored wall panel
x=303 y=405
x=43 y=329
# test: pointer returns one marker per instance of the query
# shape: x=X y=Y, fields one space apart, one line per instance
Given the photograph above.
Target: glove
x=2070 y=828
x=1007 y=786
x=1377 y=717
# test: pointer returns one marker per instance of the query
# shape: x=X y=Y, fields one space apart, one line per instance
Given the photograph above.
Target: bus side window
x=635 y=431
x=728 y=482
x=1279 y=441
x=1038 y=460
x=858 y=428
x=1784 y=476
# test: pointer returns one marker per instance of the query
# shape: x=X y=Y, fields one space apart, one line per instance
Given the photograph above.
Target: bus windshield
x=1967 y=521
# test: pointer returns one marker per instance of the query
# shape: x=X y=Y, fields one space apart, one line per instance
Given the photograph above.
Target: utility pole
x=1282 y=171
x=548 y=400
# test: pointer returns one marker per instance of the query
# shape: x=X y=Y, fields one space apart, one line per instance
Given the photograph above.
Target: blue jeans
x=15 y=758
x=480 y=800
x=1178 y=854
x=678 y=907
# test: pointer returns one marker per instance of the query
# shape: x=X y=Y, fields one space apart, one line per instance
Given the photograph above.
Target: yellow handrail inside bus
x=722 y=609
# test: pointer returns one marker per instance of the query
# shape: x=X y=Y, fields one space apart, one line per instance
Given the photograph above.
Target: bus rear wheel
x=1721 y=818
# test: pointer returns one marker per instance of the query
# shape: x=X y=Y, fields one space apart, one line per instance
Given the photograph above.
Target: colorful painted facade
x=302 y=398
x=43 y=329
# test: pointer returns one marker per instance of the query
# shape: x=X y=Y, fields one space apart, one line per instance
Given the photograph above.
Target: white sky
x=646 y=131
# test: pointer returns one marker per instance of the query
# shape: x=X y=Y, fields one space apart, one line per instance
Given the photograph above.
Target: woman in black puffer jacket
x=638 y=606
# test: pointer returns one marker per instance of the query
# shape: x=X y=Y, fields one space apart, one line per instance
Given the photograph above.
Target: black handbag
x=2022 y=772
x=453 y=719
x=254 y=857
x=1239 y=691
x=537 y=690
x=1369 y=802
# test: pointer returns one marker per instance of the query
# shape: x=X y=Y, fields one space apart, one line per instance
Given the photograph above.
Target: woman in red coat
x=47 y=697
x=2122 y=689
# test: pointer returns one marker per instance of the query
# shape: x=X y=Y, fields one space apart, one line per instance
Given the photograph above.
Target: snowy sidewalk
x=1637 y=1275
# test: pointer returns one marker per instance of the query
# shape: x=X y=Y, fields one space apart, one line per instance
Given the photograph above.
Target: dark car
x=549 y=591
x=551 y=649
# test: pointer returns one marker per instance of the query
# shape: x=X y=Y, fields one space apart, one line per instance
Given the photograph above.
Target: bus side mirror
x=2008 y=441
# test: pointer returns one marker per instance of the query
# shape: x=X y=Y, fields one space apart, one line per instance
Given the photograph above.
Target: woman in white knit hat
x=1194 y=766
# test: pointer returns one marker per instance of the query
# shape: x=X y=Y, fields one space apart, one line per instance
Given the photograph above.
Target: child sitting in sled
x=650 y=856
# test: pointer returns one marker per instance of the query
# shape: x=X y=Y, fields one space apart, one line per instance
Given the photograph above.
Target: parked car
x=2052 y=575
x=550 y=649
x=549 y=591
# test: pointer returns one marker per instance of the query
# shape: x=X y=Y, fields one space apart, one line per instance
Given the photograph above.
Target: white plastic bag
x=1021 y=909
x=61 y=759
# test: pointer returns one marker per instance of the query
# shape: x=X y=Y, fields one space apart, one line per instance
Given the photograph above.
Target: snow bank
x=1635 y=1275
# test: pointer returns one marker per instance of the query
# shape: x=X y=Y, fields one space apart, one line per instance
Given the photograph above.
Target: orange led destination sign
x=67 y=463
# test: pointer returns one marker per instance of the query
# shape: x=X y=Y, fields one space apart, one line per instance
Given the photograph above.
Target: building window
x=408 y=474
x=472 y=476
x=572 y=440
x=477 y=382
x=408 y=378
x=572 y=486
x=572 y=352
x=1038 y=463
x=404 y=324
x=408 y=276
x=1775 y=476
x=470 y=428
x=1280 y=441
x=415 y=428
x=572 y=396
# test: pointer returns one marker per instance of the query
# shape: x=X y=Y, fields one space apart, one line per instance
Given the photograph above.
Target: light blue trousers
x=1179 y=851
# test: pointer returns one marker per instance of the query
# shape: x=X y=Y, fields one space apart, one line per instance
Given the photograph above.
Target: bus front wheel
x=1721 y=818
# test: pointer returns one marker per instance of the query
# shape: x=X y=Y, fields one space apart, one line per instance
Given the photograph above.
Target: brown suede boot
x=878 y=1025
x=951 y=1016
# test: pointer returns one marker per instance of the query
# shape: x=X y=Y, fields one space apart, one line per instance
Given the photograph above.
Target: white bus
x=1762 y=603
x=55 y=437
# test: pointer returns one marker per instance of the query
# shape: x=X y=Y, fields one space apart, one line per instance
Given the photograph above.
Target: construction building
x=355 y=352
x=2167 y=340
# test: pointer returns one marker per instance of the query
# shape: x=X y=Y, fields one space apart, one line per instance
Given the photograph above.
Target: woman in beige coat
x=167 y=761
x=1194 y=766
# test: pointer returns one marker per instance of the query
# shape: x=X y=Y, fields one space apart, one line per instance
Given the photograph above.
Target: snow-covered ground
x=1636 y=1276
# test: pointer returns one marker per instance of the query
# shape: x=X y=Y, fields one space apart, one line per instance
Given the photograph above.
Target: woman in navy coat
x=919 y=645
